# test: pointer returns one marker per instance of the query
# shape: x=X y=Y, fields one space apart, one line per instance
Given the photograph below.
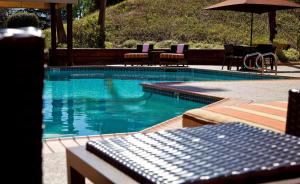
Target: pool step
x=269 y=115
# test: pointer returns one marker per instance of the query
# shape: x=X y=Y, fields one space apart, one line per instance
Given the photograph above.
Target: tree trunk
x=101 y=22
x=61 y=34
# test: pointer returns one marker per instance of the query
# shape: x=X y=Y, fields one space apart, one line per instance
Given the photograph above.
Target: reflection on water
x=98 y=106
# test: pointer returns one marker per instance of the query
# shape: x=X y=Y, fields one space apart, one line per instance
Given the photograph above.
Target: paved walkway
x=248 y=91
x=283 y=70
x=238 y=91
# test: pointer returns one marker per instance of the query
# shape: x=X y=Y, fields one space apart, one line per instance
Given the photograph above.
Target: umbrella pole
x=251 y=29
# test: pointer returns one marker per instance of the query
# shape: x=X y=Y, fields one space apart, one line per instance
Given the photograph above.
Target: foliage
x=43 y=16
x=184 y=22
x=109 y=45
x=165 y=43
x=3 y=17
x=298 y=42
x=22 y=20
x=130 y=43
x=47 y=33
x=281 y=55
x=86 y=32
x=82 y=8
x=2 y=20
x=204 y=45
x=291 y=54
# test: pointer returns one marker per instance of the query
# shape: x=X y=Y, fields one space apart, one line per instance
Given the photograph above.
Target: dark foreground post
x=21 y=56
x=293 y=113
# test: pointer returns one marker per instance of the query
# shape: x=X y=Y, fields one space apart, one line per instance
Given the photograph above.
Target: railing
x=263 y=67
x=274 y=58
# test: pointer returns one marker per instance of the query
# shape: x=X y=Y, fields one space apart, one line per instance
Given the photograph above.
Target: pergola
x=52 y=5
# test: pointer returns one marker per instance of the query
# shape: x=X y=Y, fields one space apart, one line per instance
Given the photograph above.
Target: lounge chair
x=176 y=56
x=140 y=56
x=245 y=154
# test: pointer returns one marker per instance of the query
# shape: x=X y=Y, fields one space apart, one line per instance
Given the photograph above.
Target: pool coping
x=139 y=68
x=156 y=88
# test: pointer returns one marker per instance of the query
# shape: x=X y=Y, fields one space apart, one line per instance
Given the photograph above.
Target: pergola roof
x=39 y=4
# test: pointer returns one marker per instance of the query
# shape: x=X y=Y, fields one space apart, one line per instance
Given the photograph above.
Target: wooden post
x=69 y=34
x=53 y=35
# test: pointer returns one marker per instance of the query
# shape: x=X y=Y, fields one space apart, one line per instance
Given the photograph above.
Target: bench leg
x=75 y=177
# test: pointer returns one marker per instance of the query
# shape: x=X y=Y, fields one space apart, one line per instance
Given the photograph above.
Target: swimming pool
x=90 y=101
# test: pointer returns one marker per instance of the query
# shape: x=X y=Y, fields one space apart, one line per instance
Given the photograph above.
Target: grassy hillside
x=170 y=21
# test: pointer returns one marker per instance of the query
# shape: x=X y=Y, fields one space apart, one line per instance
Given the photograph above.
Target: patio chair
x=176 y=56
x=140 y=56
x=268 y=50
x=232 y=56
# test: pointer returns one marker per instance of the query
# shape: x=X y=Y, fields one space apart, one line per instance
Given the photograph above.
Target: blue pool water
x=101 y=101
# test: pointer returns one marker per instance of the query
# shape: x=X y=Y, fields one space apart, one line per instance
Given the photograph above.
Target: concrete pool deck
x=235 y=92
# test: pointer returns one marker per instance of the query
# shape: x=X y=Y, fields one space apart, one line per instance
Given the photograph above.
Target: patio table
x=224 y=153
x=155 y=56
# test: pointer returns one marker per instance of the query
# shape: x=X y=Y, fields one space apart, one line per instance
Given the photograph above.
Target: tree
x=43 y=15
x=3 y=17
x=101 y=22
x=298 y=37
x=61 y=33
x=18 y=20
x=82 y=8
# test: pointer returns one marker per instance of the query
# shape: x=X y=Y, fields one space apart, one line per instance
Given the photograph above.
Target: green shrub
x=130 y=43
x=151 y=42
x=282 y=46
x=47 y=33
x=166 y=43
x=22 y=20
x=86 y=32
x=281 y=55
x=291 y=54
x=109 y=45
x=202 y=45
x=62 y=45
x=288 y=55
